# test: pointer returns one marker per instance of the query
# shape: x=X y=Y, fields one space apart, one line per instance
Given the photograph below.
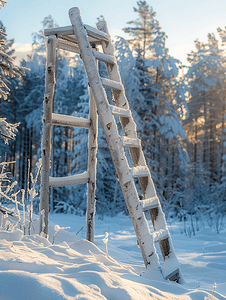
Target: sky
x=183 y=21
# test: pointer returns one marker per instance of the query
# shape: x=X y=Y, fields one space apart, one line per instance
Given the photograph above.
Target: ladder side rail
x=146 y=183
x=47 y=131
x=144 y=237
x=92 y=168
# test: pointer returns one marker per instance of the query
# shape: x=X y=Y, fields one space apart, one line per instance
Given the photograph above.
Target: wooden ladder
x=83 y=39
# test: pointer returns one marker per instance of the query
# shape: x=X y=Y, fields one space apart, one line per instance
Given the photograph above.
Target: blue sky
x=183 y=21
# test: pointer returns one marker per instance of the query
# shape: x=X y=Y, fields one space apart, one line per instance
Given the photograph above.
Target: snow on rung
x=65 y=120
x=131 y=142
x=104 y=57
x=140 y=171
x=149 y=203
x=111 y=84
x=160 y=235
x=120 y=112
x=95 y=33
x=69 y=180
x=59 y=31
x=64 y=45
x=68 y=30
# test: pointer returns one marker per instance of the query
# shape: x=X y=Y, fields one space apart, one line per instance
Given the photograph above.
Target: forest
x=180 y=112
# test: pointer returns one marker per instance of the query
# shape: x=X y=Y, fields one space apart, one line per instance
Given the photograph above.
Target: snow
x=131 y=142
x=121 y=112
x=73 y=268
x=140 y=171
x=149 y=203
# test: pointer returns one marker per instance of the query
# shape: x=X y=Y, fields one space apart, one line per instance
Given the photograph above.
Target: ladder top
x=94 y=35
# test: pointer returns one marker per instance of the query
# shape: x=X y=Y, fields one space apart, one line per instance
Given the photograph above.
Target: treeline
x=179 y=111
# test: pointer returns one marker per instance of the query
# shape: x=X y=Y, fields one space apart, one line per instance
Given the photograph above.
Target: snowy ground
x=32 y=268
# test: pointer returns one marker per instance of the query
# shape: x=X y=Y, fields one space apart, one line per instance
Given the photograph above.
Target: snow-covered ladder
x=83 y=42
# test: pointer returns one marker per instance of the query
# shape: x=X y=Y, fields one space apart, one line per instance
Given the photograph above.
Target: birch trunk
x=47 y=132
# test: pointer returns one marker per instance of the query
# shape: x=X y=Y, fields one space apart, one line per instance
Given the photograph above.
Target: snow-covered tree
x=2 y=3
x=206 y=77
x=8 y=70
x=205 y=125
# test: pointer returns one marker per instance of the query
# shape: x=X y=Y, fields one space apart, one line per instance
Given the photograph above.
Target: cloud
x=21 y=51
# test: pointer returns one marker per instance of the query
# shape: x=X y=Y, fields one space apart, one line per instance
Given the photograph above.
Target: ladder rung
x=59 y=31
x=69 y=180
x=111 y=84
x=72 y=47
x=69 y=38
x=104 y=57
x=140 y=171
x=68 y=30
x=149 y=203
x=160 y=235
x=120 y=112
x=174 y=276
x=65 y=120
x=131 y=142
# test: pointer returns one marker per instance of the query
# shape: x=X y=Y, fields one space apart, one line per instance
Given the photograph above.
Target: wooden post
x=47 y=132
x=92 y=163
